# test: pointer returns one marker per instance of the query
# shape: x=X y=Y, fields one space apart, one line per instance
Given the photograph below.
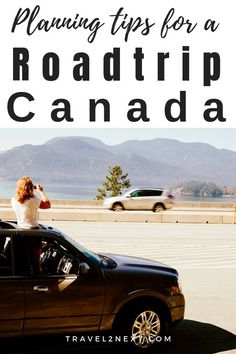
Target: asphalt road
x=205 y=256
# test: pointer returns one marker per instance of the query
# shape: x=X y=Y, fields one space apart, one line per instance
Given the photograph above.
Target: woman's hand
x=39 y=188
x=45 y=203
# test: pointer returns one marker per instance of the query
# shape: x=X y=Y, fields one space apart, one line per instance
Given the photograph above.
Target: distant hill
x=202 y=161
x=157 y=162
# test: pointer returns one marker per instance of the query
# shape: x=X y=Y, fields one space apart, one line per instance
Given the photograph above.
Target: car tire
x=117 y=207
x=144 y=328
x=158 y=207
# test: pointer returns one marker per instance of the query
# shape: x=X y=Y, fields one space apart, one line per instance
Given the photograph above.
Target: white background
x=68 y=42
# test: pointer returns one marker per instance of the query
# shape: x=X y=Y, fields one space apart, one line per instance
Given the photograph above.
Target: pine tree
x=114 y=183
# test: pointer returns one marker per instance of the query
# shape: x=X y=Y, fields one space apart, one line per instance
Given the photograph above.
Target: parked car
x=51 y=284
x=155 y=199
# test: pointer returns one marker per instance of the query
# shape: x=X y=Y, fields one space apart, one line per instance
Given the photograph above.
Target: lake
x=54 y=190
x=82 y=191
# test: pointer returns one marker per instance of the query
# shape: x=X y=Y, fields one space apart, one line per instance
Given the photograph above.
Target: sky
x=217 y=137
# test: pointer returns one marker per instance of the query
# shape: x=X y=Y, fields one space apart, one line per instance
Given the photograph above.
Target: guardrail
x=96 y=215
x=197 y=213
x=98 y=203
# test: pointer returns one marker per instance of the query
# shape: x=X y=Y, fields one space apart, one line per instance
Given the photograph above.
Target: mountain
x=203 y=160
x=156 y=162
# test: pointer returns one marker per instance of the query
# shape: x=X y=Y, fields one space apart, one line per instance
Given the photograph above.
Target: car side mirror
x=84 y=269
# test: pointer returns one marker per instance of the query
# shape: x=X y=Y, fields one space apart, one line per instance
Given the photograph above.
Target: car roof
x=152 y=188
x=7 y=225
x=147 y=188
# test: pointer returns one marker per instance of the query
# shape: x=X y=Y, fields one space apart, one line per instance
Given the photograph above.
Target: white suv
x=155 y=199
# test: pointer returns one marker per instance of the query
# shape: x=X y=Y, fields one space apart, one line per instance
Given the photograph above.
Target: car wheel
x=117 y=207
x=144 y=327
x=158 y=207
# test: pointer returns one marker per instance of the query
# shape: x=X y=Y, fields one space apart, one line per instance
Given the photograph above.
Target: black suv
x=51 y=284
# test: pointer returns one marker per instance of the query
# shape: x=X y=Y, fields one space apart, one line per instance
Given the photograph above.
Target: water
x=227 y=199
x=84 y=191
x=55 y=191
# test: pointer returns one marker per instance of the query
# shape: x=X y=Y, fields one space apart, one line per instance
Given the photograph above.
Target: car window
x=147 y=193
x=154 y=193
x=55 y=258
x=136 y=194
x=5 y=255
x=87 y=254
x=47 y=256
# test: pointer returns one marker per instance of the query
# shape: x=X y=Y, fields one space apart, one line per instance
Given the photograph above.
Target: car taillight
x=170 y=196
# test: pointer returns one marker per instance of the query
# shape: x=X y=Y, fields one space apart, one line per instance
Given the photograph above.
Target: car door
x=135 y=201
x=12 y=293
x=63 y=302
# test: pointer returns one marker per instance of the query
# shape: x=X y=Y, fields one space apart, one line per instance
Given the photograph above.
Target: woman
x=26 y=204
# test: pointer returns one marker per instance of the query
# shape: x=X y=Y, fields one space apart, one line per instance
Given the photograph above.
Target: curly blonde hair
x=24 y=189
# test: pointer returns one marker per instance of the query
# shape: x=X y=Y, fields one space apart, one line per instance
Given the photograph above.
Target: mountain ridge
x=148 y=162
